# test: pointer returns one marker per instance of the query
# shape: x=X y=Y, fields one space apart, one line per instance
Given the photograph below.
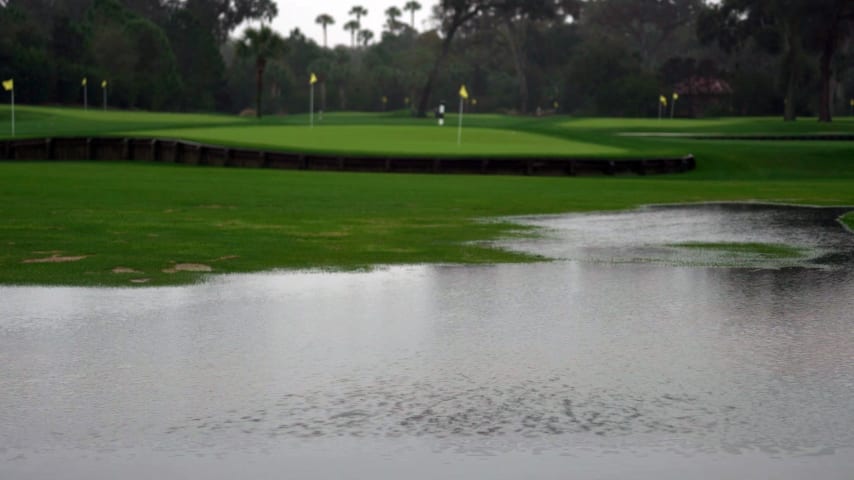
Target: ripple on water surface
x=609 y=363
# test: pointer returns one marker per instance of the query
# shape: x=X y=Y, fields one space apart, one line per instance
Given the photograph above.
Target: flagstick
x=85 y=97
x=659 y=111
x=672 y=109
x=105 y=99
x=13 y=111
x=311 y=106
x=460 y=129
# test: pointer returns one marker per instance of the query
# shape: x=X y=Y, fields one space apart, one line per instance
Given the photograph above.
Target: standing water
x=636 y=355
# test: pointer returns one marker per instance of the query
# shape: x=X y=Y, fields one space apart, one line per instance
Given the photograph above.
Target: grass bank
x=113 y=223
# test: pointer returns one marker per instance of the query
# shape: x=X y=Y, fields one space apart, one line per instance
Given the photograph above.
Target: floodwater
x=623 y=360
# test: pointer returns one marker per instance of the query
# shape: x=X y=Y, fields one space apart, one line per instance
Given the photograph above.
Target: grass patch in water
x=763 y=250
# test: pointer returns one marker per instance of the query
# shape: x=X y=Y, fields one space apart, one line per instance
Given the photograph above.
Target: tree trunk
x=827 y=52
x=424 y=101
x=259 y=88
x=518 y=63
x=789 y=112
x=323 y=96
x=342 y=97
x=824 y=114
x=459 y=19
x=792 y=60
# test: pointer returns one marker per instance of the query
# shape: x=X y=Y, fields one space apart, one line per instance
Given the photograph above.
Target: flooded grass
x=727 y=235
x=763 y=250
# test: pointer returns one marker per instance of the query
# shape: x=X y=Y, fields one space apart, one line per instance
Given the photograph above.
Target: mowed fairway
x=118 y=223
x=394 y=140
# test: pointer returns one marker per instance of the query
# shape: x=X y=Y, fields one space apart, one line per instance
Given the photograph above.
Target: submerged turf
x=763 y=250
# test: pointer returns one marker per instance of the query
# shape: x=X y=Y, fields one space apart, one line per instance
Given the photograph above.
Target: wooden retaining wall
x=192 y=153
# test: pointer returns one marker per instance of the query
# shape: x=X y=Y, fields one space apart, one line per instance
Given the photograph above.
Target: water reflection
x=643 y=363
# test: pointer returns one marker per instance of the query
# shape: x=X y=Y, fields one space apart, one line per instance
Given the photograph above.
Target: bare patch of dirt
x=125 y=270
x=140 y=280
x=56 y=259
x=227 y=257
x=188 y=267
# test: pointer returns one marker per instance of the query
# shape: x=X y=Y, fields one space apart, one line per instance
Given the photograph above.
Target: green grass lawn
x=150 y=218
x=392 y=139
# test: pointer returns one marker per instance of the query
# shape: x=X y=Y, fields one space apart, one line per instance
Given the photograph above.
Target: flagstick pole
x=460 y=128
x=659 y=111
x=13 y=111
x=105 y=99
x=85 y=97
x=311 y=106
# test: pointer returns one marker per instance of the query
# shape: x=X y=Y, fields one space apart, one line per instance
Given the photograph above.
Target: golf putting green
x=393 y=140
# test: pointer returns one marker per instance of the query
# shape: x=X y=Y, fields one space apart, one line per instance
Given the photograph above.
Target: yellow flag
x=675 y=96
x=663 y=100
x=9 y=85
x=313 y=79
x=84 y=82
x=464 y=93
x=104 y=84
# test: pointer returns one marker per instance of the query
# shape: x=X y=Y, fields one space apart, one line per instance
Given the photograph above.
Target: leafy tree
x=352 y=26
x=393 y=13
x=200 y=63
x=359 y=11
x=324 y=20
x=365 y=37
x=155 y=82
x=775 y=25
x=261 y=45
x=515 y=18
x=412 y=7
x=221 y=17
x=605 y=80
x=829 y=24
x=452 y=15
x=648 y=27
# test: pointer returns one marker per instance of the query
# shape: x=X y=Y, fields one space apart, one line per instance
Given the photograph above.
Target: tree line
x=593 y=57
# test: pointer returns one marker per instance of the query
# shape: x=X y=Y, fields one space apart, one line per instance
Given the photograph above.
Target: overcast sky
x=301 y=14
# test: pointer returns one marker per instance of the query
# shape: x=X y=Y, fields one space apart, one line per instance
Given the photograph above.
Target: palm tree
x=261 y=44
x=359 y=11
x=412 y=7
x=365 y=37
x=324 y=20
x=353 y=27
x=393 y=13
